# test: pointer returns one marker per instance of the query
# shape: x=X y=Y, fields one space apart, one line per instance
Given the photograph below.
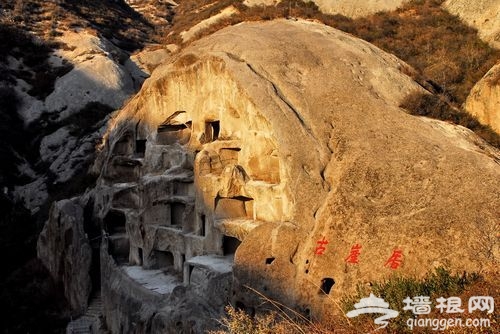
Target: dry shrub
x=186 y=60
x=430 y=39
x=429 y=105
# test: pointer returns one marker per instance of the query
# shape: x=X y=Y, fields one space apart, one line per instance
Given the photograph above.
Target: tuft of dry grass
x=441 y=282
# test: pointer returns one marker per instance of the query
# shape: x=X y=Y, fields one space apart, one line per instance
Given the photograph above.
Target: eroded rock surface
x=64 y=249
x=97 y=76
x=254 y=144
x=484 y=99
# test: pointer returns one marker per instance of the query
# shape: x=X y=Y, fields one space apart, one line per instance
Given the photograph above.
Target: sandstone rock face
x=347 y=8
x=102 y=73
x=484 y=99
x=64 y=249
x=484 y=15
x=270 y=151
x=97 y=76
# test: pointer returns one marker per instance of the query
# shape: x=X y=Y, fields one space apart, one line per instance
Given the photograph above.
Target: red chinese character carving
x=354 y=254
x=395 y=260
x=320 y=249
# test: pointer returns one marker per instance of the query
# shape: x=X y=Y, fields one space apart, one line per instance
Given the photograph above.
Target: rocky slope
x=484 y=99
x=355 y=9
x=66 y=66
x=484 y=15
x=347 y=8
x=249 y=145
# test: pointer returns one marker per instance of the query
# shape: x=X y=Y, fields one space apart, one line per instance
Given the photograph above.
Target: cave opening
x=164 y=259
x=140 y=256
x=168 y=134
x=326 y=285
x=230 y=245
x=114 y=222
x=229 y=156
x=212 y=131
x=177 y=213
x=234 y=207
x=140 y=147
x=203 y=221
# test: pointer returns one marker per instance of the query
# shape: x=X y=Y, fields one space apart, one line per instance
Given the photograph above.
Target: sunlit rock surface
x=254 y=144
x=484 y=99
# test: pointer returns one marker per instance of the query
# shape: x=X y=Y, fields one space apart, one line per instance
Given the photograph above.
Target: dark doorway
x=203 y=227
x=229 y=245
x=115 y=221
x=212 y=130
x=326 y=285
x=177 y=213
x=164 y=259
x=140 y=147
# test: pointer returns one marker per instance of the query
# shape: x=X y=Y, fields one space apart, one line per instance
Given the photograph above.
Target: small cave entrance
x=177 y=213
x=164 y=259
x=233 y=207
x=114 y=222
x=169 y=134
x=140 y=147
x=326 y=285
x=140 y=257
x=119 y=248
x=202 y=225
x=229 y=156
x=95 y=270
x=229 y=245
x=212 y=131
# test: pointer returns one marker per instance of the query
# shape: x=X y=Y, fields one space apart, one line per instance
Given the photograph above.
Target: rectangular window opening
x=212 y=131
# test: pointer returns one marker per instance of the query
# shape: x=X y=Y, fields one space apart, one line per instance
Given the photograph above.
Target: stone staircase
x=90 y=322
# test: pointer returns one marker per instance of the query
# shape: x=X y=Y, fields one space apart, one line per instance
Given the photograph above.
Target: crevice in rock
x=280 y=95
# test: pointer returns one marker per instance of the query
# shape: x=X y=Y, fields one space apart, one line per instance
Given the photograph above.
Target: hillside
x=484 y=15
x=211 y=144
x=205 y=166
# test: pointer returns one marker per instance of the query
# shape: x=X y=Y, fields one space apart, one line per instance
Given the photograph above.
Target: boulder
x=484 y=99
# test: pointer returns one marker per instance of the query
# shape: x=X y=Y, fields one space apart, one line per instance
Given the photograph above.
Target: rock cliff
x=64 y=249
x=484 y=99
x=262 y=156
